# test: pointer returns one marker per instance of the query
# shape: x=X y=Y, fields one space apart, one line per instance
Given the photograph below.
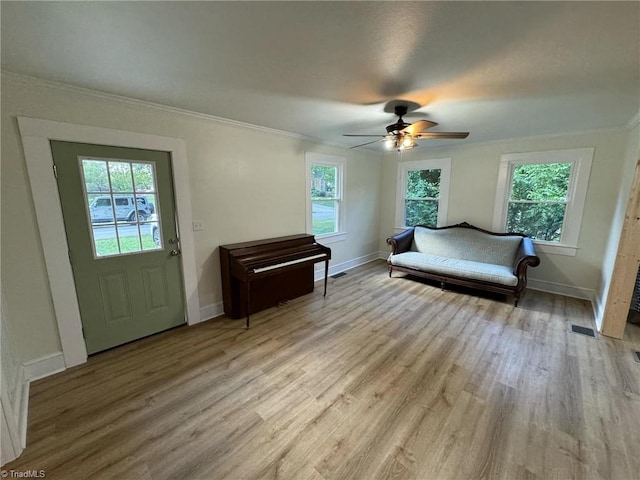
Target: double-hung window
x=542 y=194
x=423 y=192
x=325 y=202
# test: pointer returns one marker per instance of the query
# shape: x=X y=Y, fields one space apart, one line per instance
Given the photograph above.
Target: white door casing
x=36 y=135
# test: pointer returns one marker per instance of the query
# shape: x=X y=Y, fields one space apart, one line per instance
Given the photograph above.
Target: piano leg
x=326 y=274
x=248 y=302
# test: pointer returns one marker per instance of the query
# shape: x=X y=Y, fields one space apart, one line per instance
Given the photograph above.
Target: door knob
x=175 y=253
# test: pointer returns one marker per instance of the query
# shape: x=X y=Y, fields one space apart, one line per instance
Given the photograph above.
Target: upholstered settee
x=465 y=255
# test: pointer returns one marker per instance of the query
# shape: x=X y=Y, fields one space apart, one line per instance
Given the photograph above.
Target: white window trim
x=581 y=160
x=312 y=158
x=444 y=164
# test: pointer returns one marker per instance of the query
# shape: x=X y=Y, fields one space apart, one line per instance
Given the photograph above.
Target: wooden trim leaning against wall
x=625 y=268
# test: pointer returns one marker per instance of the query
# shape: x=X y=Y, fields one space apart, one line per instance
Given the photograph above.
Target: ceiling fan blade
x=422 y=135
x=418 y=127
x=363 y=144
x=355 y=135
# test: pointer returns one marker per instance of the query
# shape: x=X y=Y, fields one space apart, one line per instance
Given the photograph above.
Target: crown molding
x=65 y=87
x=524 y=139
x=87 y=92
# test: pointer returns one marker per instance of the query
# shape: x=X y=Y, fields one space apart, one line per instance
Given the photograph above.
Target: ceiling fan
x=402 y=135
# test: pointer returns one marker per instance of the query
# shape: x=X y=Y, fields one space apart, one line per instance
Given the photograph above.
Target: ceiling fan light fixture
x=390 y=143
x=402 y=135
x=408 y=142
x=399 y=142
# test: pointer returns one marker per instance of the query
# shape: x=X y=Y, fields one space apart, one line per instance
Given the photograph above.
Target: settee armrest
x=401 y=242
x=526 y=256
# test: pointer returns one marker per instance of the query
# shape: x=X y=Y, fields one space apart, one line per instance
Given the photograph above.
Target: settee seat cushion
x=469 y=269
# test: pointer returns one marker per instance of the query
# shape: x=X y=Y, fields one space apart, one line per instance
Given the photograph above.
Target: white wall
x=245 y=184
x=632 y=154
x=474 y=171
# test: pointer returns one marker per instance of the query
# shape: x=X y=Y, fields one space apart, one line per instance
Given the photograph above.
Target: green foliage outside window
x=423 y=191
x=97 y=173
x=421 y=212
x=423 y=183
x=538 y=200
x=323 y=181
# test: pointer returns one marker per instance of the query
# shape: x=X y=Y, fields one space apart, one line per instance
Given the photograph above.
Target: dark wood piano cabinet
x=260 y=274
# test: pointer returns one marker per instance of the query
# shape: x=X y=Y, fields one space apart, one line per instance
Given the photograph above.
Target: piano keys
x=260 y=274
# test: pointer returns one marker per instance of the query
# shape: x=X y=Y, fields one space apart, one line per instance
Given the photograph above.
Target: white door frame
x=36 y=135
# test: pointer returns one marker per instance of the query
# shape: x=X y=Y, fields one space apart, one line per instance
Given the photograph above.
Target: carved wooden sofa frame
x=525 y=257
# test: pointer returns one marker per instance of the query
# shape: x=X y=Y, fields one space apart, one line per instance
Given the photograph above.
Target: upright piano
x=260 y=274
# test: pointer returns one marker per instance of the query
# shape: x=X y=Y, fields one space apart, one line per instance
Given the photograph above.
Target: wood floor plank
x=385 y=378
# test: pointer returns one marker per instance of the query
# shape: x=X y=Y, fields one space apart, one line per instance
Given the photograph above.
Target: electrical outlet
x=197 y=226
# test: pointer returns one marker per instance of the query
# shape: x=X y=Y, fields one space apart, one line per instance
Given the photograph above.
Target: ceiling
x=320 y=69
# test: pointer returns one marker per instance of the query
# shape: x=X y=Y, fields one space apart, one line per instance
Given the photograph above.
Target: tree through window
x=423 y=191
x=325 y=201
x=422 y=197
x=538 y=200
x=542 y=194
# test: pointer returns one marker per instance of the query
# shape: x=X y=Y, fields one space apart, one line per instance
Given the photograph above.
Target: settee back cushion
x=467 y=244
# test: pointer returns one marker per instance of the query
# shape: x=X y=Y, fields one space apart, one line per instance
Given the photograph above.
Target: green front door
x=119 y=215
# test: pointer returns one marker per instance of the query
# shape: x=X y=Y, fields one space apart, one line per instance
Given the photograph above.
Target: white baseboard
x=211 y=311
x=23 y=413
x=341 y=267
x=13 y=420
x=16 y=410
x=567 y=291
x=217 y=309
x=44 y=366
x=556 y=288
x=561 y=289
x=18 y=392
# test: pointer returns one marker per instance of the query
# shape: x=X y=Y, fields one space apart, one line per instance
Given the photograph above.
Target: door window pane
x=96 y=175
x=121 y=199
x=129 y=238
x=143 y=177
x=120 y=175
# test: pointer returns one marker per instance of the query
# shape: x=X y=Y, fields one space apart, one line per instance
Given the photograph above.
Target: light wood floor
x=383 y=378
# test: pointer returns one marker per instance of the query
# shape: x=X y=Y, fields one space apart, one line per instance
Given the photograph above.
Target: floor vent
x=583 y=330
x=338 y=275
x=636 y=356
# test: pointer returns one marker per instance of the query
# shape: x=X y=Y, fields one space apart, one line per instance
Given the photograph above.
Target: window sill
x=555 y=248
x=331 y=237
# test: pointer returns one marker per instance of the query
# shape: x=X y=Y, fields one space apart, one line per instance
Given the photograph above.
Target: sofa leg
x=442 y=286
x=515 y=301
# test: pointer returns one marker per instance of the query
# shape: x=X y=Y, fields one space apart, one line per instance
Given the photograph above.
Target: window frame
x=312 y=158
x=113 y=198
x=442 y=164
x=581 y=160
